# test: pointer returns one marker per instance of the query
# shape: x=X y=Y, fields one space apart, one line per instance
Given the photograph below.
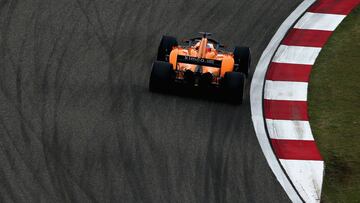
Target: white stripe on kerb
x=296 y=54
x=307 y=177
x=319 y=21
x=282 y=90
x=289 y=130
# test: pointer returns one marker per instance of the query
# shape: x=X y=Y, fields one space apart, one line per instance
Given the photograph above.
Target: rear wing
x=199 y=61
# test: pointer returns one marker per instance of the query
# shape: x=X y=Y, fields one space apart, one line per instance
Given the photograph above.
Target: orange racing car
x=201 y=62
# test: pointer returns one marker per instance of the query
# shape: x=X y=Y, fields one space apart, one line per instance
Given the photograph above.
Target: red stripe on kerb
x=286 y=110
x=309 y=38
x=288 y=72
x=342 y=7
x=296 y=149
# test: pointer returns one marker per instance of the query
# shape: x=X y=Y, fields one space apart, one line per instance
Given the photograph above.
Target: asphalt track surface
x=77 y=122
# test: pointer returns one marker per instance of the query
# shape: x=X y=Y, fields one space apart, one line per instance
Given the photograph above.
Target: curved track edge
x=256 y=101
x=284 y=98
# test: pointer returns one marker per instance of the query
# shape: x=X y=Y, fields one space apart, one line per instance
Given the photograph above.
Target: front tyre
x=242 y=58
x=166 y=45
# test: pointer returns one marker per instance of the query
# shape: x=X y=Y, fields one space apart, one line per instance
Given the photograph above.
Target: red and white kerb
x=285 y=95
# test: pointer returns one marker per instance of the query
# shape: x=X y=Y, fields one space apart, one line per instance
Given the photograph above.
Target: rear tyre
x=242 y=57
x=234 y=83
x=162 y=76
x=166 y=45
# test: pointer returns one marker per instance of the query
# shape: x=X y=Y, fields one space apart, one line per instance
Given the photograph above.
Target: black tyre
x=165 y=47
x=162 y=76
x=233 y=84
x=242 y=57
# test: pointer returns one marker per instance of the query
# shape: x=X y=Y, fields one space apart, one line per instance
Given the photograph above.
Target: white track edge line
x=256 y=99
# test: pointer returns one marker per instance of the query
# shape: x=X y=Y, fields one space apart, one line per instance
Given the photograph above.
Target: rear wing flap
x=199 y=61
